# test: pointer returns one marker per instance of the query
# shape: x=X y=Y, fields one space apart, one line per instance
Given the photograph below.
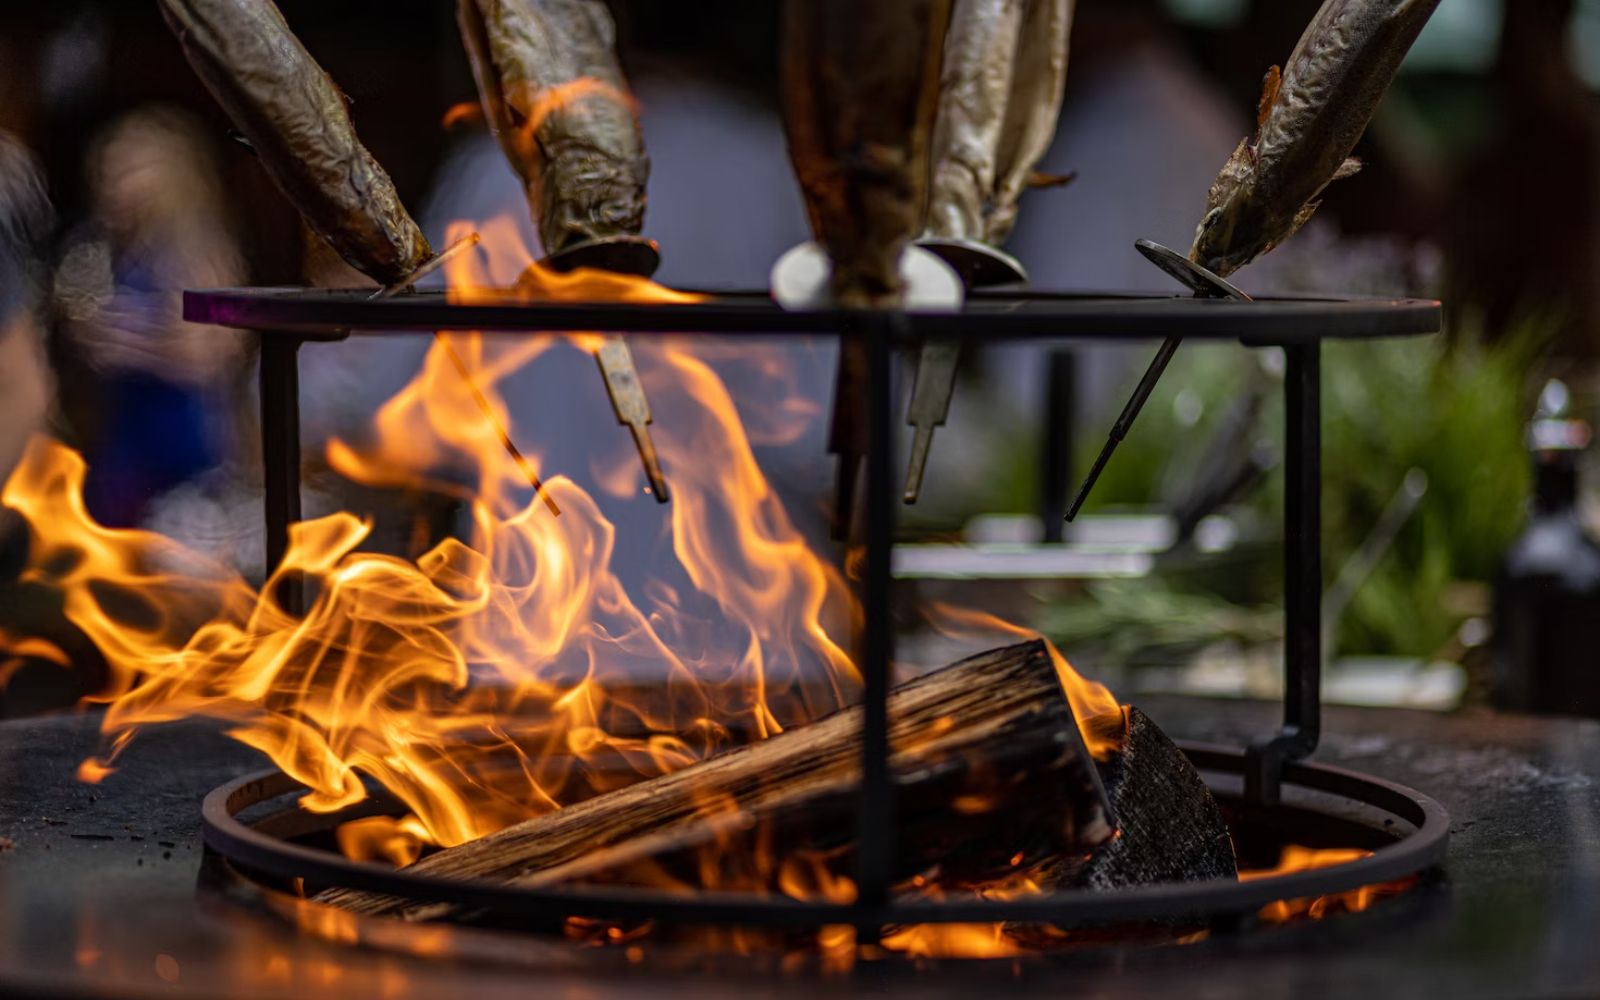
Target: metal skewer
x=1205 y=285
x=623 y=255
x=980 y=266
x=439 y=260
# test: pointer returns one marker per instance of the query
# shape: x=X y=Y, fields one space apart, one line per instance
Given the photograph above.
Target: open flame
x=511 y=671
x=505 y=673
x=1298 y=859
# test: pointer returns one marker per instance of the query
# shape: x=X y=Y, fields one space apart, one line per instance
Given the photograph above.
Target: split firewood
x=989 y=770
x=1169 y=827
x=295 y=119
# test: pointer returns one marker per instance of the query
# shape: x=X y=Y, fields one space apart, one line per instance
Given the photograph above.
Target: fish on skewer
x=296 y=120
x=293 y=117
x=1312 y=114
x=1005 y=71
x=860 y=92
x=554 y=93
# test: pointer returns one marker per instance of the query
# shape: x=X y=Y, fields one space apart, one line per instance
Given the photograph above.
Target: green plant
x=1455 y=408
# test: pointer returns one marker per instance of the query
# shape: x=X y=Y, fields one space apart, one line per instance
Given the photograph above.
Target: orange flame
x=1101 y=718
x=509 y=672
x=1298 y=859
x=495 y=677
x=466 y=111
x=397 y=842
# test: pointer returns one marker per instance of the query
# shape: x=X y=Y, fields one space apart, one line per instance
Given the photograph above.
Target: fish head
x=1222 y=241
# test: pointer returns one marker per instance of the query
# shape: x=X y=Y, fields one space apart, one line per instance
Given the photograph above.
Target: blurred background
x=1481 y=187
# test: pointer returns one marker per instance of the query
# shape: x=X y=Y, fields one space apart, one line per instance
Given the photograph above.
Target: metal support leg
x=280 y=455
x=1302 y=579
x=877 y=644
x=1056 y=463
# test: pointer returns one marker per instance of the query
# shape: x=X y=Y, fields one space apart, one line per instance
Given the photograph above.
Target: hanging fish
x=1000 y=93
x=1309 y=120
x=1311 y=115
x=860 y=90
x=295 y=118
x=554 y=93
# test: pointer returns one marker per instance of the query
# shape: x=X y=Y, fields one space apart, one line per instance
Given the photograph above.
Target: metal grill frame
x=286 y=318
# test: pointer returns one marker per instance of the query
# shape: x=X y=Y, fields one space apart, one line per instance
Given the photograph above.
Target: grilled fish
x=1309 y=120
x=1038 y=84
x=1311 y=116
x=296 y=120
x=860 y=90
x=551 y=86
x=1005 y=69
x=552 y=89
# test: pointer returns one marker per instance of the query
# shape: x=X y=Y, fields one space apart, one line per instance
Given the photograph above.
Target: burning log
x=1169 y=827
x=990 y=772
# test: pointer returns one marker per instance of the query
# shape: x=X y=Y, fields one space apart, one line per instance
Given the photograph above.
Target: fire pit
x=1407 y=830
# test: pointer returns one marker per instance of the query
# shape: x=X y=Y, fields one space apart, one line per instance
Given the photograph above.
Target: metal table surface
x=99 y=896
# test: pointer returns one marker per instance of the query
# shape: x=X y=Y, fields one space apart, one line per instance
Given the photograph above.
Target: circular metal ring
x=1421 y=849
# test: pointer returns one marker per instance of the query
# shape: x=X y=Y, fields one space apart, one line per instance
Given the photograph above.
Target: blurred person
x=163 y=388
x=25 y=383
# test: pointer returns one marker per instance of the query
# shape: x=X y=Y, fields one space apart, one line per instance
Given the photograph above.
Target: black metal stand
x=280 y=455
x=1055 y=461
x=1302 y=579
x=287 y=318
x=877 y=644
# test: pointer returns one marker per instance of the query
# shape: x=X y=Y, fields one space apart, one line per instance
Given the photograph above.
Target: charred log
x=988 y=765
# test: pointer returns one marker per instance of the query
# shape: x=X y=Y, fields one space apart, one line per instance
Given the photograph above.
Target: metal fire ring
x=1423 y=848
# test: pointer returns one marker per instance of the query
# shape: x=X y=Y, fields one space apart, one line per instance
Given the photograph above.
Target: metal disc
x=802 y=279
x=1197 y=279
x=619 y=254
x=979 y=264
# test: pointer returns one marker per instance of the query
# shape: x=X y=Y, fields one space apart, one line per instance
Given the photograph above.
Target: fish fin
x=1270 y=86
x=1301 y=218
x=1349 y=168
x=1040 y=179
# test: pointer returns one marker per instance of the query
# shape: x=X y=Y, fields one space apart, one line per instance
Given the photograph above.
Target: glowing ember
x=1297 y=859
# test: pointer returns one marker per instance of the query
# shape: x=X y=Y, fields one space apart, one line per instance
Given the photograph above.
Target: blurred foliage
x=1152 y=622
x=1454 y=408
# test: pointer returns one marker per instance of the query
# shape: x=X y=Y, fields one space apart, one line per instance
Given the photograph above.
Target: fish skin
x=1000 y=94
x=1310 y=121
x=860 y=91
x=296 y=120
x=581 y=158
x=1039 y=84
x=975 y=87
